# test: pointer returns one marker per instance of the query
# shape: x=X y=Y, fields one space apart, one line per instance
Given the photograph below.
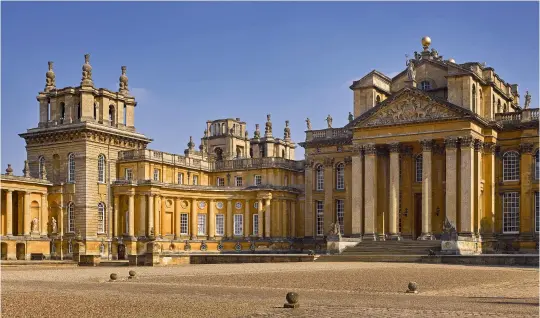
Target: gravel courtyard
x=258 y=290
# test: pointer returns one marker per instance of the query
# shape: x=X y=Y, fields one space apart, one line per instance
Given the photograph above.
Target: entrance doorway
x=4 y=251
x=21 y=251
x=417 y=215
x=121 y=251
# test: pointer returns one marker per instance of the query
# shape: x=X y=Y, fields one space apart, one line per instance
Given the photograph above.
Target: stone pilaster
x=309 y=224
x=450 y=224
x=427 y=196
x=394 y=192
x=293 y=219
x=267 y=219
x=488 y=229
x=328 y=194
x=9 y=212
x=229 y=220
x=247 y=219
x=467 y=187
x=261 y=218
x=44 y=219
x=151 y=229
x=284 y=218
x=211 y=219
x=357 y=194
x=116 y=215
x=478 y=211
x=26 y=212
x=526 y=215
x=142 y=216
x=177 y=210
x=193 y=219
x=131 y=217
x=370 y=203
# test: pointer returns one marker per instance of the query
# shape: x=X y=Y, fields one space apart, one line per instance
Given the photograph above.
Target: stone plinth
x=89 y=260
x=461 y=246
x=336 y=244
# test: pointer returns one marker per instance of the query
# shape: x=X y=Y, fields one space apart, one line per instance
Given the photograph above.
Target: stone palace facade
x=440 y=151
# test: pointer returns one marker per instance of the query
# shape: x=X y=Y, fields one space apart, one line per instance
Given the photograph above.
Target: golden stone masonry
x=442 y=151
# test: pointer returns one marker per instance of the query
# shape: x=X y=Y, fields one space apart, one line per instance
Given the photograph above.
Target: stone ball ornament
x=412 y=288
x=113 y=277
x=292 y=300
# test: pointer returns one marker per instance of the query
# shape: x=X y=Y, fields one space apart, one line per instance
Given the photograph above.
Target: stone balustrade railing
x=257 y=163
x=164 y=157
x=327 y=133
x=524 y=115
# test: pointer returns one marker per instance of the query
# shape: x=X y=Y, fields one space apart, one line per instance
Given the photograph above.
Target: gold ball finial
x=426 y=41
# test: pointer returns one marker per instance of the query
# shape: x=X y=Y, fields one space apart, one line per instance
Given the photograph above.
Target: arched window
x=505 y=109
x=319 y=178
x=425 y=85
x=40 y=166
x=340 y=176
x=537 y=165
x=48 y=109
x=418 y=164
x=112 y=115
x=62 y=111
x=283 y=153
x=71 y=217
x=511 y=166
x=125 y=115
x=95 y=111
x=493 y=108
x=481 y=104
x=101 y=168
x=71 y=168
x=180 y=178
x=101 y=217
x=78 y=111
x=499 y=109
x=474 y=98
x=378 y=99
x=219 y=154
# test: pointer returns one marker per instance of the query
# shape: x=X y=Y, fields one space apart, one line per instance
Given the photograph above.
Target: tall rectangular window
x=537 y=210
x=238 y=224
x=220 y=224
x=201 y=224
x=220 y=182
x=511 y=212
x=258 y=180
x=156 y=174
x=180 y=178
x=184 y=223
x=255 y=224
x=238 y=181
x=195 y=180
x=340 y=214
x=128 y=174
x=319 y=206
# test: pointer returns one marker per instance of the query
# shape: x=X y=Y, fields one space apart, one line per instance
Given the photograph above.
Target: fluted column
x=370 y=191
x=9 y=212
x=427 y=181
x=151 y=229
x=142 y=215
x=44 y=214
x=26 y=218
x=211 y=219
x=284 y=219
x=131 y=212
x=467 y=187
x=394 y=192
x=229 y=220
x=116 y=214
x=267 y=216
x=451 y=183
x=193 y=219
x=247 y=219
x=261 y=218
x=177 y=218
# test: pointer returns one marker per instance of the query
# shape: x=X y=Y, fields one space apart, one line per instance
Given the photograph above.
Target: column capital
x=308 y=164
x=407 y=150
x=427 y=144
x=451 y=142
x=395 y=147
x=466 y=142
x=347 y=160
x=478 y=145
x=526 y=148
x=370 y=149
x=358 y=149
x=328 y=162
x=489 y=147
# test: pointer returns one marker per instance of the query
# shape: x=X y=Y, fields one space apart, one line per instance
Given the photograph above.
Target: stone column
x=142 y=215
x=284 y=219
x=27 y=219
x=267 y=214
x=451 y=184
x=478 y=208
x=177 y=218
x=157 y=217
x=162 y=214
x=467 y=187
x=329 y=215
x=394 y=192
x=427 y=184
x=229 y=220
x=193 y=219
x=370 y=192
x=211 y=219
x=247 y=219
x=293 y=219
x=526 y=199
x=261 y=219
x=44 y=214
x=131 y=211
x=151 y=230
x=9 y=212
x=116 y=213
x=489 y=188
x=309 y=223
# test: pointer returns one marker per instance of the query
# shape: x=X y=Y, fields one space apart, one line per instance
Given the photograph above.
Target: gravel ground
x=258 y=290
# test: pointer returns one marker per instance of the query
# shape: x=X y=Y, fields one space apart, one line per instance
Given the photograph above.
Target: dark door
x=20 y=251
x=417 y=215
x=121 y=251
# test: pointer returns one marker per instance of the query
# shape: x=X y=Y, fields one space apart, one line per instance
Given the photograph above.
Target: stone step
x=114 y=263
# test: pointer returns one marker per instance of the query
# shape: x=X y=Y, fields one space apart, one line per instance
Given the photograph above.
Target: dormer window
x=425 y=85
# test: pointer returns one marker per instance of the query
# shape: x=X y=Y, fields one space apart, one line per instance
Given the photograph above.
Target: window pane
x=511 y=212
x=340 y=211
x=320 y=217
x=220 y=224
x=511 y=166
x=184 y=223
x=238 y=224
x=201 y=224
x=255 y=224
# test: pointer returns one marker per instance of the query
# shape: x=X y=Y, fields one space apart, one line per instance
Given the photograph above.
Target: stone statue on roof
x=308 y=122
x=351 y=117
x=329 y=121
x=527 y=100
x=411 y=72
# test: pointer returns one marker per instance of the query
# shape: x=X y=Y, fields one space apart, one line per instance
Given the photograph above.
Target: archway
x=121 y=251
x=219 y=154
x=4 y=251
x=21 y=251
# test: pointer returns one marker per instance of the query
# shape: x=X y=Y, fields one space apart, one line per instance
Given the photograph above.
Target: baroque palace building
x=440 y=151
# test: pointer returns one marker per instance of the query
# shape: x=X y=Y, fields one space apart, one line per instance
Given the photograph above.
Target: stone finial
x=257 y=133
x=9 y=170
x=351 y=117
x=87 y=72
x=527 y=100
x=191 y=144
x=50 y=78
x=124 y=82
x=26 y=170
x=205 y=133
x=268 y=127
x=287 y=131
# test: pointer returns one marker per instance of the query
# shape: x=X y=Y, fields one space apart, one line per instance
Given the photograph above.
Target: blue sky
x=189 y=62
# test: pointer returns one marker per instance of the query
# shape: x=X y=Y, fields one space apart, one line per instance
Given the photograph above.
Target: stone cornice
x=27 y=180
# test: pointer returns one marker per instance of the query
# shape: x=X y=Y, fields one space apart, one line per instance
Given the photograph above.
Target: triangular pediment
x=410 y=106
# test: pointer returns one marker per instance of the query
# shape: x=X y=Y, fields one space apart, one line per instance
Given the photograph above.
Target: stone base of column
x=211 y=238
x=466 y=236
x=193 y=237
x=370 y=237
x=395 y=237
x=357 y=235
x=426 y=237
